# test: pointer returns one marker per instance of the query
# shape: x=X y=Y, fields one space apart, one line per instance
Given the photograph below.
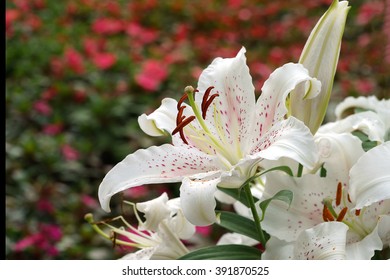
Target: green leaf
x=239 y=224
x=238 y=193
x=283 y=195
x=367 y=144
x=224 y=252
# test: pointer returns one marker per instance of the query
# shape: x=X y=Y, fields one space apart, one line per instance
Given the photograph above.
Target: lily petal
x=161 y=164
x=235 y=104
x=320 y=56
x=155 y=211
x=271 y=105
x=162 y=120
x=326 y=241
x=144 y=254
x=278 y=250
x=370 y=177
x=289 y=138
x=365 y=248
x=197 y=200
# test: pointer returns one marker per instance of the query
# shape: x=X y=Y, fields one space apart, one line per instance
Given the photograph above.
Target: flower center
x=351 y=219
x=211 y=142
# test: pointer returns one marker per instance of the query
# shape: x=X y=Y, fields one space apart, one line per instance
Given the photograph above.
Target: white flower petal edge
x=278 y=250
x=163 y=164
x=198 y=202
x=325 y=241
x=370 y=177
x=236 y=238
x=162 y=120
x=155 y=211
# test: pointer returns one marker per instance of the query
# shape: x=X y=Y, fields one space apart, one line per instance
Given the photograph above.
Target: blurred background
x=80 y=72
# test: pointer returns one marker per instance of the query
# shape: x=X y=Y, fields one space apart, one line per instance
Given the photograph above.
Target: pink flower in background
x=89 y=201
x=107 y=26
x=11 y=15
x=204 y=231
x=53 y=129
x=74 y=60
x=42 y=107
x=49 y=94
x=153 y=73
x=104 y=61
x=365 y=86
x=368 y=11
x=45 y=205
x=93 y=46
x=140 y=33
x=70 y=153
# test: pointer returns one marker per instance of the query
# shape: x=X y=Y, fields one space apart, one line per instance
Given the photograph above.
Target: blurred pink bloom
x=49 y=93
x=69 y=152
x=107 y=26
x=365 y=86
x=57 y=66
x=42 y=107
x=204 y=230
x=74 y=60
x=140 y=33
x=89 y=201
x=152 y=74
x=53 y=129
x=277 y=56
x=11 y=15
x=79 y=95
x=33 y=21
x=139 y=191
x=93 y=46
x=45 y=205
x=368 y=11
x=103 y=60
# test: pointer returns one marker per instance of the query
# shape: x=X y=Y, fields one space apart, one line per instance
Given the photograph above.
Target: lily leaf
x=238 y=224
x=367 y=144
x=224 y=252
x=283 y=195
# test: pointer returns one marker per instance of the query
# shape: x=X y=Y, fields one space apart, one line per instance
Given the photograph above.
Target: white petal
x=161 y=164
x=162 y=120
x=370 y=177
x=277 y=249
x=236 y=238
x=197 y=200
x=320 y=56
x=371 y=103
x=326 y=241
x=181 y=226
x=369 y=123
x=365 y=248
x=235 y=104
x=305 y=211
x=338 y=153
x=289 y=138
x=144 y=254
x=384 y=229
x=271 y=105
x=155 y=211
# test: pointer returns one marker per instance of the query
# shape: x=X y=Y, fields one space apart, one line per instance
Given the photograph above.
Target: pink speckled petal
x=271 y=105
x=161 y=164
x=306 y=207
x=326 y=241
x=235 y=104
x=289 y=138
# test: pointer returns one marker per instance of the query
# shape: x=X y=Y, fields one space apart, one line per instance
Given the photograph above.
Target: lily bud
x=320 y=56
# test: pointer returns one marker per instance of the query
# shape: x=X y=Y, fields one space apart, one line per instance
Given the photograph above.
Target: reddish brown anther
x=182 y=123
x=327 y=215
x=342 y=213
x=207 y=100
x=181 y=100
x=357 y=212
x=339 y=194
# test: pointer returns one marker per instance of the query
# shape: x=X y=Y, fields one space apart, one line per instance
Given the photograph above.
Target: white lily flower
x=333 y=217
x=320 y=56
x=219 y=138
x=158 y=236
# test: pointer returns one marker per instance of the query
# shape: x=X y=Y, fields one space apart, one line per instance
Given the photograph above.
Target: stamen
x=327 y=215
x=180 y=116
x=205 y=97
x=349 y=199
x=357 y=212
x=181 y=100
x=207 y=105
x=341 y=216
x=339 y=194
x=181 y=125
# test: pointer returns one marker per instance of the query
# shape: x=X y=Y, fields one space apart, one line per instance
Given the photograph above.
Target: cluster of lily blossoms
x=300 y=189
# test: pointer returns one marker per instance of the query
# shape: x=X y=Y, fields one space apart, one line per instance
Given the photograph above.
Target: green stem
x=256 y=217
x=300 y=170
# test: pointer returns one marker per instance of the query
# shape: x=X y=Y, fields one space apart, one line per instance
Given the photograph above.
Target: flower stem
x=256 y=217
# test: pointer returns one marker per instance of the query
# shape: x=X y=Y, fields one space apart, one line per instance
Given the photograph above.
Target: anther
x=207 y=105
x=349 y=198
x=339 y=194
x=181 y=100
x=181 y=125
x=357 y=212
x=341 y=216
x=206 y=96
x=327 y=215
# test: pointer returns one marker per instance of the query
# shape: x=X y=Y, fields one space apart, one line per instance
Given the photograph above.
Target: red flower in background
x=368 y=11
x=103 y=61
x=42 y=107
x=69 y=153
x=53 y=129
x=74 y=60
x=107 y=26
x=152 y=74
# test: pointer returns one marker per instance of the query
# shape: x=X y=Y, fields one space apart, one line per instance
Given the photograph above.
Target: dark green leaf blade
x=238 y=224
x=224 y=252
x=283 y=195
